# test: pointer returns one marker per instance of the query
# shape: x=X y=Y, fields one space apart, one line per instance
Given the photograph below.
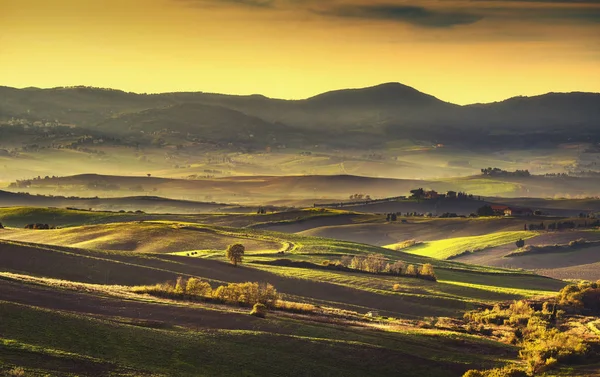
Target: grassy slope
x=462 y=285
x=326 y=349
x=20 y=216
x=77 y=343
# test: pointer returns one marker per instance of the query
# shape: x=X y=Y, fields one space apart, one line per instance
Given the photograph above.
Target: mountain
x=351 y=117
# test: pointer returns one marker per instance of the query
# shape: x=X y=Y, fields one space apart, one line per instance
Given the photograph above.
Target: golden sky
x=461 y=51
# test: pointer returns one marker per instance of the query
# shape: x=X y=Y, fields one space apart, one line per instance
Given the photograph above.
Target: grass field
x=452 y=247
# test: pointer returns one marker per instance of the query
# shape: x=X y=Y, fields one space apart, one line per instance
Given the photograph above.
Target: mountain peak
x=391 y=93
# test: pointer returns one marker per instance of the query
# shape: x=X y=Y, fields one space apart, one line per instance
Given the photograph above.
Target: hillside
x=142 y=203
x=101 y=281
x=329 y=190
x=368 y=115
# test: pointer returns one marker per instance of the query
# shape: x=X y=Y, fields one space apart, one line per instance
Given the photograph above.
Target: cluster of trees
x=263 y=210
x=359 y=197
x=420 y=194
x=581 y=298
x=247 y=294
x=244 y=294
x=497 y=172
x=485 y=211
x=377 y=264
x=37 y=226
x=543 y=346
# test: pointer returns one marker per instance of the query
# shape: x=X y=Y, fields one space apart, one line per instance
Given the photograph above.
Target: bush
x=346 y=260
x=508 y=371
x=180 y=286
x=295 y=307
x=396 y=287
x=198 y=287
x=16 y=372
x=259 y=310
x=544 y=348
x=405 y=244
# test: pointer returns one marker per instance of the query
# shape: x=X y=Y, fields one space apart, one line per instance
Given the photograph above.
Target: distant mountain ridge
x=370 y=116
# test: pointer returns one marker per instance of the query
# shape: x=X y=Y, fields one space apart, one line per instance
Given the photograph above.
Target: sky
x=459 y=51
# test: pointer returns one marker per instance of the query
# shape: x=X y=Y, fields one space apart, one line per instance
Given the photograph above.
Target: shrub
x=583 y=296
x=405 y=244
x=508 y=371
x=180 y=286
x=16 y=372
x=198 y=287
x=346 y=260
x=543 y=348
x=295 y=307
x=520 y=243
x=259 y=310
x=396 y=287
x=235 y=253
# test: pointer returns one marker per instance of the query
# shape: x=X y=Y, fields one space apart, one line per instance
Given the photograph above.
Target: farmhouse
x=499 y=210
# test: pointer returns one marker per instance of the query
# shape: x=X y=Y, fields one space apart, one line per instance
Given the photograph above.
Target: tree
x=411 y=270
x=198 y=287
x=485 y=211
x=520 y=243
x=417 y=193
x=427 y=271
x=235 y=253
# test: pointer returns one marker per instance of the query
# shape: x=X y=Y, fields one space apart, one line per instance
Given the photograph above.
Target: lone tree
x=235 y=253
x=520 y=243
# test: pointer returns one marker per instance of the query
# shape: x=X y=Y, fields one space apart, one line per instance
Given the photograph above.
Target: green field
x=451 y=247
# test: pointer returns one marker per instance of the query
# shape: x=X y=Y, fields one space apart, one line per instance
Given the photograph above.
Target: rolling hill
x=367 y=116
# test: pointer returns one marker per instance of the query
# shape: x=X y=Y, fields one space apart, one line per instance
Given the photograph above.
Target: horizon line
x=291 y=99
